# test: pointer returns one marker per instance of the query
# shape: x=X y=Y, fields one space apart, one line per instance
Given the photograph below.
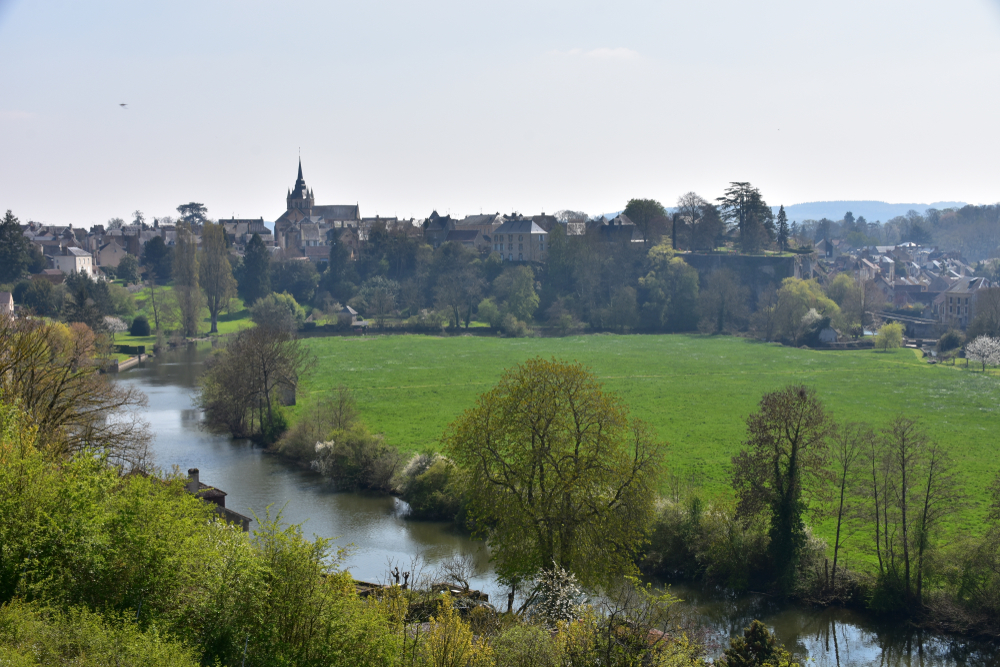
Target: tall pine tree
x=782 y=229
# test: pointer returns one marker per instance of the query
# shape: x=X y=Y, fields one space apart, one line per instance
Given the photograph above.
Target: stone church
x=305 y=229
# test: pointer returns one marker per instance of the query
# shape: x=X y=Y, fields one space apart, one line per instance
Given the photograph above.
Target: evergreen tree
x=254 y=279
x=782 y=229
x=15 y=249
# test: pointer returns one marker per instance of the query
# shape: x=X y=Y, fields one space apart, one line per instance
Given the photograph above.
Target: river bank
x=376 y=527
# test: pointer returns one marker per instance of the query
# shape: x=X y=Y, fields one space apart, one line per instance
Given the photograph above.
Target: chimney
x=192 y=485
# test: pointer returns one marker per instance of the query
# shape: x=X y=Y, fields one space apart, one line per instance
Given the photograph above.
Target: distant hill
x=871 y=210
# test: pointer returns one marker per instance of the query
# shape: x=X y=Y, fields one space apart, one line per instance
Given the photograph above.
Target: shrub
x=951 y=340
x=356 y=458
x=488 y=313
x=434 y=488
x=278 y=311
x=513 y=327
x=889 y=336
x=526 y=646
x=756 y=648
x=33 y=635
x=140 y=326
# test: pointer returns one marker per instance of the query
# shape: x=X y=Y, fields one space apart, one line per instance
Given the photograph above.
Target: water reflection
x=375 y=526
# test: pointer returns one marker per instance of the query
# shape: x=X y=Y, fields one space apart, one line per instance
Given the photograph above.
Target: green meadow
x=696 y=391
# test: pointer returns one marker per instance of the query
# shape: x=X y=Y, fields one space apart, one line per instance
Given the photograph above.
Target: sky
x=531 y=106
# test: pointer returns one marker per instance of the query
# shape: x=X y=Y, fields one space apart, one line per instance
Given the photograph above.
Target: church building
x=305 y=229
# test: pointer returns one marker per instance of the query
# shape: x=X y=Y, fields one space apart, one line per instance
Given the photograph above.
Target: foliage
x=296 y=277
x=242 y=388
x=186 y=287
x=216 y=273
x=15 y=249
x=450 y=643
x=745 y=208
x=648 y=215
x=51 y=370
x=488 y=312
x=39 y=296
x=889 y=336
x=985 y=350
x=36 y=635
x=434 y=488
x=670 y=295
x=140 y=326
x=515 y=288
x=722 y=304
x=278 y=311
x=128 y=270
x=253 y=276
x=158 y=258
x=558 y=473
x=756 y=648
x=558 y=597
x=786 y=444
x=379 y=297
x=950 y=340
x=356 y=458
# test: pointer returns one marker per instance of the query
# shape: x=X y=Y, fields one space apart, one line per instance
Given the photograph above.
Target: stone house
x=75 y=260
x=110 y=254
x=520 y=241
x=958 y=303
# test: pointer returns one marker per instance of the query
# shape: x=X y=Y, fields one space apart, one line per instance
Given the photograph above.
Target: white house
x=75 y=260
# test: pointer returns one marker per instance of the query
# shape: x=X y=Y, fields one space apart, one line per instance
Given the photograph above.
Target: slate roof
x=462 y=235
x=519 y=227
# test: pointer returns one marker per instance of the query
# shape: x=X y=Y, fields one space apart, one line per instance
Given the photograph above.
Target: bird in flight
x=123 y=105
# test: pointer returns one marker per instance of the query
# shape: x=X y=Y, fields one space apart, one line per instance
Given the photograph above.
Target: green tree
x=216 y=272
x=889 y=336
x=671 y=291
x=15 y=249
x=743 y=206
x=786 y=445
x=722 y=303
x=40 y=296
x=783 y=228
x=192 y=214
x=516 y=288
x=756 y=648
x=558 y=473
x=158 y=258
x=254 y=277
x=128 y=270
x=278 y=311
x=186 y=279
x=297 y=277
x=648 y=215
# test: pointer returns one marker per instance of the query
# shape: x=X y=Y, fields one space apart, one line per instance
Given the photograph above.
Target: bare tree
x=51 y=370
x=847 y=449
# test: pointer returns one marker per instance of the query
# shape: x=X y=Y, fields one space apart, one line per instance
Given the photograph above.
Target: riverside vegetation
x=886 y=493
x=104 y=561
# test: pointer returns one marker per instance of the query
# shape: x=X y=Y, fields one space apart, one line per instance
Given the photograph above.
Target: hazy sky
x=465 y=106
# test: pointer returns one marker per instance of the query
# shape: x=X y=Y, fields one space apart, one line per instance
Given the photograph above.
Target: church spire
x=300 y=168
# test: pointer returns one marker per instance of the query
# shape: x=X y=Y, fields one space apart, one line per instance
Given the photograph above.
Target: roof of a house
x=519 y=227
x=462 y=235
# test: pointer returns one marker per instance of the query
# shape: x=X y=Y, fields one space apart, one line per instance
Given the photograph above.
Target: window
x=519 y=238
x=520 y=246
x=510 y=257
x=520 y=258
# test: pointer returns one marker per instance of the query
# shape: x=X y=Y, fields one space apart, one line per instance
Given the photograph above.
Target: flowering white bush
x=985 y=350
x=558 y=595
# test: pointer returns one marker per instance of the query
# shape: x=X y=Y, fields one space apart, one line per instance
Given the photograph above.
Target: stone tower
x=301 y=197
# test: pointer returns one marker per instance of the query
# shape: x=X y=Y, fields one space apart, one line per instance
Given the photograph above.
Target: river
x=376 y=533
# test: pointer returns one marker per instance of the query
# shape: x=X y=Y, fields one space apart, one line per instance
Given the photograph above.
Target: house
x=110 y=254
x=239 y=231
x=470 y=238
x=6 y=303
x=828 y=336
x=520 y=241
x=957 y=304
x=75 y=260
x=216 y=497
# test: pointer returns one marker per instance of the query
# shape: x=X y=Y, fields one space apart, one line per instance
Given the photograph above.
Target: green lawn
x=696 y=391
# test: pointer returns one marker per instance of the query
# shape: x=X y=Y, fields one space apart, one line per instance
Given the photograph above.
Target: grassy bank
x=696 y=391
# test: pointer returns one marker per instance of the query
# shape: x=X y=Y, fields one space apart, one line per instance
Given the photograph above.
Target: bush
x=278 y=311
x=358 y=459
x=889 y=336
x=526 y=646
x=33 y=635
x=951 y=340
x=488 y=313
x=434 y=488
x=513 y=327
x=140 y=326
x=756 y=648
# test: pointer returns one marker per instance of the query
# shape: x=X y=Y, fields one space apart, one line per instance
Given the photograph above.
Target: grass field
x=696 y=391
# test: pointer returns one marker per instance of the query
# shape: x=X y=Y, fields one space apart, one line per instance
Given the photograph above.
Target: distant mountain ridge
x=871 y=210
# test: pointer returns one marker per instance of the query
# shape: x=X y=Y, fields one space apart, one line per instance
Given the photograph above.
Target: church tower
x=301 y=198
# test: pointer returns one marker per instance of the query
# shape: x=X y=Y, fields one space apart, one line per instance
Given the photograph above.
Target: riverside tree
x=558 y=473
x=186 y=279
x=216 y=273
x=786 y=445
x=254 y=275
